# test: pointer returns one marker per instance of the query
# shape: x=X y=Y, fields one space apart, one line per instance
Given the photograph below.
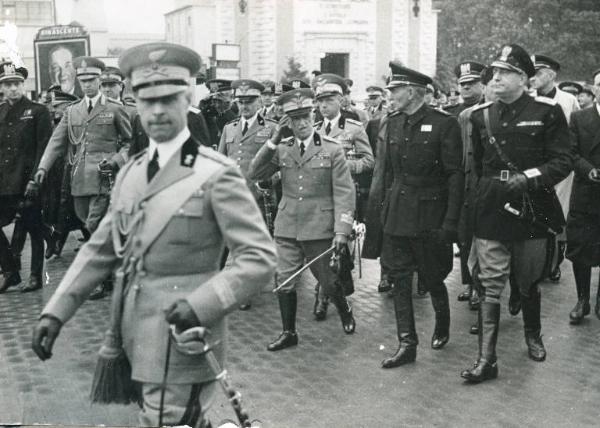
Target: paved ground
x=330 y=379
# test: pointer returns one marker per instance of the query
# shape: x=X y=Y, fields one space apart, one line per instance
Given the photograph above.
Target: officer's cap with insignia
x=112 y=75
x=375 y=91
x=328 y=84
x=404 y=76
x=88 y=67
x=468 y=71
x=246 y=88
x=571 y=87
x=281 y=88
x=544 y=61
x=159 y=69
x=298 y=83
x=297 y=101
x=514 y=58
x=10 y=73
x=269 y=87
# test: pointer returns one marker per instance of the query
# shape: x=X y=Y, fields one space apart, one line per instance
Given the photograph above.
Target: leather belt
x=502 y=175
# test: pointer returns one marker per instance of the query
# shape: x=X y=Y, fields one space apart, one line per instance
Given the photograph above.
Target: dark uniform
x=583 y=223
x=530 y=155
x=216 y=119
x=419 y=160
x=25 y=128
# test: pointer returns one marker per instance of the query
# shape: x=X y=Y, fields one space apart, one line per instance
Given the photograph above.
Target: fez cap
x=487 y=74
x=159 y=69
x=375 y=91
x=468 y=71
x=297 y=101
x=403 y=76
x=9 y=73
x=571 y=87
x=544 y=61
x=246 y=88
x=328 y=84
x=88 y=66
x=298 y=83
x=112 y=75
x=514 y=58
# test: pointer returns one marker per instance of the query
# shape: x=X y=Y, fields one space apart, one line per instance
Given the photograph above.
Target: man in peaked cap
x=174 y=205
x=419 y=156
x=572 y=88
x=315 y=212
x=350 y=133
x=268 y=100
x=218 y=108
x=514 y=186
x=544 y=82
x=25 y=127
x=586 y=97
x=376 y=102
x=468 y=74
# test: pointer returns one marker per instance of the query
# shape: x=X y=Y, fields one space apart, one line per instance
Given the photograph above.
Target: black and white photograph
x=299 y=213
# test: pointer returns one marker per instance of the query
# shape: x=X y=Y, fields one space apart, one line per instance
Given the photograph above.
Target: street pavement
x=330 y=379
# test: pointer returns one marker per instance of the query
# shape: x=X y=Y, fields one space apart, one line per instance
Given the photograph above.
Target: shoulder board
x=353 y=121
x=110 y=100
x=194 y=110
x=393 y=113
x=271 y=121
x=318 y=123
x=214 y=155
x=139 y=154
x=236 y=120
x=545 y=100
x=482 y=106
x=288 y=140
x=129 y=104
x=331 y=140
x=444 y=112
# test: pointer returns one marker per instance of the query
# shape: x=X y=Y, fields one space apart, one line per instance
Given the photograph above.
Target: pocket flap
x=193 y=207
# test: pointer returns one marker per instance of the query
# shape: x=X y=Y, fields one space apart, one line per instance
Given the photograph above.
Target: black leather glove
x=517 y=183
x=107 y=167
x=181 y=314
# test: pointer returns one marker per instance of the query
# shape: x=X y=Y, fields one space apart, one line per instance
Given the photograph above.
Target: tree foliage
x=294 y=71
x=566 y=30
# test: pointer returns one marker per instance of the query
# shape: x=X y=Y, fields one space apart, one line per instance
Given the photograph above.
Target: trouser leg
x=583 y=278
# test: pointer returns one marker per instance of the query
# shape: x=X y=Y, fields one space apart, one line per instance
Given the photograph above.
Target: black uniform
x=25 y=128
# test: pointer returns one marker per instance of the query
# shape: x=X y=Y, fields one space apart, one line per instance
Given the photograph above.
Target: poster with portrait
x=54 y=57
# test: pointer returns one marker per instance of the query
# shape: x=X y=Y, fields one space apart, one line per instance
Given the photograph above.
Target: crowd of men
x=193 y=210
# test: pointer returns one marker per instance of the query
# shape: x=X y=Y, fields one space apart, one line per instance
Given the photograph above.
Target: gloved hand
x=339 y=241
x=285 y=121
x=44 y=335
x=517 y=183
x=32 y=190
x=107 y=167
x=190 y=341
x=182 y=315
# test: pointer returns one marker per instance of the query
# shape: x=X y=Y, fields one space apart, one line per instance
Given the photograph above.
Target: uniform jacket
x=182 y=262
x=318 y=192
x=533 y=134
x=568 y=102
x=353 y=138
x=585 y=137
x=25 y=128
x=269 y=112
x=242 y=148
x=377 y=112
x=420 y=158
x=104 y=133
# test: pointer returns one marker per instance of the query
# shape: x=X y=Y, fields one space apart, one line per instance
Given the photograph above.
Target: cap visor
x=159 y=91
x=471 y=78
x=299 y=112
x=12 y=79
x=506 y=66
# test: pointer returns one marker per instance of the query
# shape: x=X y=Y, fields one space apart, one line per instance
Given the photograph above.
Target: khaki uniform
x=179 y=262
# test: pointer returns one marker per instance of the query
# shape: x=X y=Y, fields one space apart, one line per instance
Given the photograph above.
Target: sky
x=125 y=16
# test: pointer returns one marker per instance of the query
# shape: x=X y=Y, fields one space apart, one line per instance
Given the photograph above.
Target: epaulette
x=139 y=154
x=287 y=140
x=110 y=100
x=482 y=106
x=319 y=123
x=393 y=113
x=214 y=155
x=331 y=140
x=271 y=120
x=545 y=100
x=444 y=112
x=194 y=110
x=354 y=121
x=236 y=120
x=129 y=104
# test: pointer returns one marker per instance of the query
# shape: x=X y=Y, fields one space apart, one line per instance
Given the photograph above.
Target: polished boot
x=345 y=310
x=532 y=325
x=321 y=305
x=583 y=276
x=421 y=288
x=514 y=300
x=466 y=294
x=486 y=366
x=441 y=306
x=384 y=284
x=405 y=323
x=287 y=308
x=34 y=283
x=10 y=280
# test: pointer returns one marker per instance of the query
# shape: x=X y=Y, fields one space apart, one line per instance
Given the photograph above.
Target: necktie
x=153 y=166
x=245 y=128
x=90 y=107
x=302 y=148
x=328 y=128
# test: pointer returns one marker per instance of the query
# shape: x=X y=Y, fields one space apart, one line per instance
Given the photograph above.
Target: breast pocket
x=188 y=225
x=321 y=170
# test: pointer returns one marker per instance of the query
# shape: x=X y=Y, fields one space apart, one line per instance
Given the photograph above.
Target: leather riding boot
x=287 y=307
x=486 y=366
x=583 y=276
x=34 y=283
x=405 y=323
x=514 y=301
x=321 y=304
x=384 y=284
x=532 y=325
x=466 y=294
x=10 y=280
x=345 y=310
x=441 y=306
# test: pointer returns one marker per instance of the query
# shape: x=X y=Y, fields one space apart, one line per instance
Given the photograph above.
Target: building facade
x=354 y=38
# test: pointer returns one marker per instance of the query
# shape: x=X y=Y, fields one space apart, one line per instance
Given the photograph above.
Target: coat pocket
x=188 y=226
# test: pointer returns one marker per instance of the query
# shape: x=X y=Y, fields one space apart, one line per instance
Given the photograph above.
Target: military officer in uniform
x=583 y=222
x=25 y=127
x=173 y=208
x=586 y=97
x=268 y=109
x=520 y=151
x=350 y=133
x=217 y=108
x=112 y=85
x=317 y=206
x=419 y=160
x=376 y=101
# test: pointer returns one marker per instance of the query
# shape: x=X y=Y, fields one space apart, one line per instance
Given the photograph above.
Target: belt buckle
x=504 y=174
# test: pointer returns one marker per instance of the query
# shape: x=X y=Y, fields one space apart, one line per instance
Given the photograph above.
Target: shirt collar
x=168 y=148
x=250 y=121
x=94 y=99
x=307 y=141
x=597 y=107
x=333 y=121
